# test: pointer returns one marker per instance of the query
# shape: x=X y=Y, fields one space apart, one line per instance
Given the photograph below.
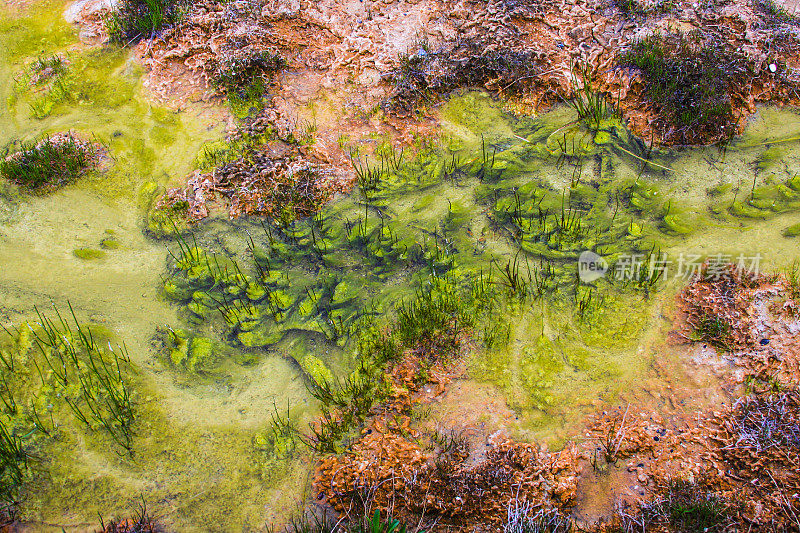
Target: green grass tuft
x=690 y=83
x=13 y=467
x=307 y=521
x=47 y=81
x=134 y=20
x=593 y=107
x=714 y=330
x=51 y=162
x=689 y=508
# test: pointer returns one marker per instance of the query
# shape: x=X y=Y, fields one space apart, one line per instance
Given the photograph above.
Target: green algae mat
x=159 y=369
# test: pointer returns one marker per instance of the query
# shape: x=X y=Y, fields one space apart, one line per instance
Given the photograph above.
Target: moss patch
x=88 y=254
x=792 y=231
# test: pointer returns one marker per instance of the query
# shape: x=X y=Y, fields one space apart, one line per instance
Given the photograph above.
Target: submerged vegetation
x=49 y=79
x=95 y=374
x=415 y=233
x=458 y=244
x=459 y=252
x=51 y=368
x=429 y=326
x=13 y=464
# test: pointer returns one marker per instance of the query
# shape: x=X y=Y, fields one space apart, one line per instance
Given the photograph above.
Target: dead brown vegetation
x=264 y=170
x=520 y=49
x=716 y=304
x=390 y=471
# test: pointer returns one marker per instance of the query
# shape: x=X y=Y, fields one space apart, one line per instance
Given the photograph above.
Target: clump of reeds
x=368 y=177
x=715 y=330
x=471 y=62
x=610 y=442
x=50 y=162
x=376 y=524
x=688 y=507
x=678 y=505
x=428 y=324
x=48 y=81
x=307 y=521
x=793 y=279
x=640 y=8
x=593 y=107
x=774 y=14
x=451 y=442
x=511 y=278
x=345 y=403
x=644 y=276
x=42 y=69
x=13 y=464
x=100 y=375
x=764 y=421
x=586 y=301
x=434 y=317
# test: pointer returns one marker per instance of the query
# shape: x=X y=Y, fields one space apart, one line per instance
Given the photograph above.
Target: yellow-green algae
x=194 y=460
x=429 y=217
x=608 y=351
x=205 y=456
